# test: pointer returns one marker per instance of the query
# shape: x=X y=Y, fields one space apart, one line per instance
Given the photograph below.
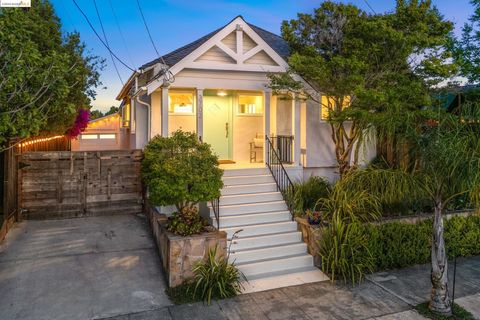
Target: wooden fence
x=9 y=206
x=72 y=184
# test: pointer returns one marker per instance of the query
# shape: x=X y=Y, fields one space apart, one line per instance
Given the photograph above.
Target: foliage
x=344 y=251
x=180 y=170
x=458 y=313
x=186 y=222
x=46 y=76
x=307 y=194
x=81 y=123
x=466 y=49
x=400 y=244
x=216 y=278
x=350 y=204
x=95 y=114
x=383 y=63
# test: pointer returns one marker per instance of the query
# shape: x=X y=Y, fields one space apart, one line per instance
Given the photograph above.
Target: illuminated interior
x=328 y=104
x=250 y=104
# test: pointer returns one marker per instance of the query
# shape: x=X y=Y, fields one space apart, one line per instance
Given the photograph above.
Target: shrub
x=344 y=251
x=462 y=236
x=399 y=244
x=216 y=278
x=186 y=222
x=180 y=170
x=307 y=194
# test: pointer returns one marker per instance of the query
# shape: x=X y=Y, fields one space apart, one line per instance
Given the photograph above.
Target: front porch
x=234 y=122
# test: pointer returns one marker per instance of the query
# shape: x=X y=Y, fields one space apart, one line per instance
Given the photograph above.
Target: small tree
x=180 y=170
x=448 y=150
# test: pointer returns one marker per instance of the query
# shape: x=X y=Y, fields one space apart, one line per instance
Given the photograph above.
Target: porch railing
x=216 y=210
x=284 y=147
x=275 y=165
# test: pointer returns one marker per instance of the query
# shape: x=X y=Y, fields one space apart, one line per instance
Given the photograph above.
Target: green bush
x=399 y=244
x=180 y=170
x=186 y=222
x=216 y=278
x=462 y=236
x=307 y=194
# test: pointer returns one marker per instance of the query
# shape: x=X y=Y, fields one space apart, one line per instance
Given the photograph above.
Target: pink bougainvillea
x=80 y=124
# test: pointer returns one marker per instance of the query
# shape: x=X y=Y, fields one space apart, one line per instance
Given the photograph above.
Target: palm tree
x=448 y=166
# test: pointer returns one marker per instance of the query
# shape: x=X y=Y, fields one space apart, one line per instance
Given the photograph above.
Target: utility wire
x=106 y=40
x=121 y=33
x=368 y=4
x=100 y=38
x=165 y=71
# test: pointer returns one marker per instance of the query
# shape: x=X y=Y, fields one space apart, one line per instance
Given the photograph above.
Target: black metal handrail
x=284 y=146
x=216 y=210
x=274 y=164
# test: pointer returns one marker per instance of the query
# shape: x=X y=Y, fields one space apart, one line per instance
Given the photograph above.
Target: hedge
x=400 y=244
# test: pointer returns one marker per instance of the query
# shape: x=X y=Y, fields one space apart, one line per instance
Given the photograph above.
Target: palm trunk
x=440 y=300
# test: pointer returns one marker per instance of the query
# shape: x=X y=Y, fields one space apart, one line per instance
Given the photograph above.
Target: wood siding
x=71 y=184
x=216 y=54
x=231 y=41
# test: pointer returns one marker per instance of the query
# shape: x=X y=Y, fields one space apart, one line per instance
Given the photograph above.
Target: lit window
x=180 y=102
x=89 y=136
x=107 y=136
x=250 y=105
x=126 y=114
x=328 y=104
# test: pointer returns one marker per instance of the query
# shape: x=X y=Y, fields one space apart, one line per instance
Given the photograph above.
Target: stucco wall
x=245 y=129
x=184 y=122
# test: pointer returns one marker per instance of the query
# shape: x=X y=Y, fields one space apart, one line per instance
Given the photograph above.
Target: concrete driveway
x=83 y=268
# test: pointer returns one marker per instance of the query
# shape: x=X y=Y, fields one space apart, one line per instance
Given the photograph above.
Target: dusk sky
x=174 y=23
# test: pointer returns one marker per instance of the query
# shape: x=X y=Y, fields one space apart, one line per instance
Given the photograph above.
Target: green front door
x=217 y=124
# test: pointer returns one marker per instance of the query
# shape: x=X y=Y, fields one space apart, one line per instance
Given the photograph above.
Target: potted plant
x=314 y=217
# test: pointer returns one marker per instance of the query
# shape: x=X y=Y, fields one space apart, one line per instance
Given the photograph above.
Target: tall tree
x=46 y=76
x=364 y=64
x=467 y=47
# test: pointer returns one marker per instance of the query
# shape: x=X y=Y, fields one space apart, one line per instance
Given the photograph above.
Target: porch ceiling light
x=222 y=93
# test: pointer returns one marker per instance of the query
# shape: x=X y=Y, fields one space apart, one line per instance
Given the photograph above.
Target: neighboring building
x=104 y=133
x=220 y=91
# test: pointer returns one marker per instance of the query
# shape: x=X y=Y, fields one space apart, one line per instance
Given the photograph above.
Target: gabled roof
x=277 y=43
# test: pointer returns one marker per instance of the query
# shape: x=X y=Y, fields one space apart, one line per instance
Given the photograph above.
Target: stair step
x=250 y=208
x=260 y=241
x=253 y=179
x=261 y=229
x=249 y=188
x=255 y=218
x=266 y=267
x=245 y=172
x=276 y=251
x=250 y=198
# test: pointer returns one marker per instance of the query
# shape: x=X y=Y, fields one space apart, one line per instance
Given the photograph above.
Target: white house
x=217 y=86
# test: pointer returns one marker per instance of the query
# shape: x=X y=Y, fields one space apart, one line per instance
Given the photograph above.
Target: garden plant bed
x=180 y=254
x=311 y=235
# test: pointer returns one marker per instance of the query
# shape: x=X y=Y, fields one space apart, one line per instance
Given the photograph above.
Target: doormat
x=226 y=162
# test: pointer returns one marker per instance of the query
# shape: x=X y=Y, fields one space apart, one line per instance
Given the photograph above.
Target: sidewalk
x=384 y=296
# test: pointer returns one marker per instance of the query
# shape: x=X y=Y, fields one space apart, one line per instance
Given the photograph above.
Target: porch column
x=266 y=126
x=296 y=107
x=164 y=112
x=266 y=111
x=200 y=114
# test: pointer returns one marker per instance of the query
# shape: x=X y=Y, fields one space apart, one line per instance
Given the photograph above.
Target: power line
x=106 y=40
x=368 y=4
x=99 y=38
x=121 y=33
x=146 y=27
x=165 y=71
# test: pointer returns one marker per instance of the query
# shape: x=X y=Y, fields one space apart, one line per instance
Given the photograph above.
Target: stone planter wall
x=311 y=235
x=179 y=254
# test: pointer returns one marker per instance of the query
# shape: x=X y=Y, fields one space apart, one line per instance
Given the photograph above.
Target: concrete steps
x=269 y=246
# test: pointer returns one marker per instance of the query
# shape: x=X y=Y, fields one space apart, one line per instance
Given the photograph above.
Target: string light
x=28 y=143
